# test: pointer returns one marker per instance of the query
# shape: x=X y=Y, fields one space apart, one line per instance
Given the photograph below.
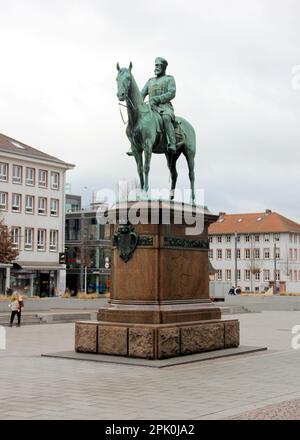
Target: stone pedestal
x=159 y=304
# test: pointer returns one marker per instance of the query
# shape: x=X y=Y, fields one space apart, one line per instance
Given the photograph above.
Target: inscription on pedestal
x=175 y=242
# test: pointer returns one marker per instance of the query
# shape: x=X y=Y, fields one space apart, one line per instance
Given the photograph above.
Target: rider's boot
x=171 y=137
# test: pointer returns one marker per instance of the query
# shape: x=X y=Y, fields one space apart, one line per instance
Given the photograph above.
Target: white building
x=248 y=249
x=32 y=203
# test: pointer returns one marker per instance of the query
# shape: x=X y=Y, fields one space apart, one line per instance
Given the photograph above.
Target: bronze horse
x=146 y=135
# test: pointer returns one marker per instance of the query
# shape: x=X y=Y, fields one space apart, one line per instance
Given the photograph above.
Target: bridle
x=128 y=99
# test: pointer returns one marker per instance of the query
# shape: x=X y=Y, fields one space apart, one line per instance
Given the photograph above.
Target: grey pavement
x=36 y=387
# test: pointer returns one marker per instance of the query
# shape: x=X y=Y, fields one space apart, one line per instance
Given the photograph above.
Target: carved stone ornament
x=126 y=240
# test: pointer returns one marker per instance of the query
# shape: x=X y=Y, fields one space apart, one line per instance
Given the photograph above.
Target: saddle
x=177 y=127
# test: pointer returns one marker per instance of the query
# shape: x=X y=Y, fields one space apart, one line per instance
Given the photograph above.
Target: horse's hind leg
x=190 y=157
x=172 y=158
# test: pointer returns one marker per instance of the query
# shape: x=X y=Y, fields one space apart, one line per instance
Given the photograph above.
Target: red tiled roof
x=262 y=222
x=10 y=145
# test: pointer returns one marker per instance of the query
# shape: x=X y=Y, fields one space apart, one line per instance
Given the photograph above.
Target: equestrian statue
x=153 y=127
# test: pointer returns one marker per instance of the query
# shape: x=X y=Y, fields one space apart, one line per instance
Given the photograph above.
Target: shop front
x=4 y=278
x=42 y=282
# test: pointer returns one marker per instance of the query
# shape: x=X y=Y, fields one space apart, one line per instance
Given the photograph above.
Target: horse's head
x=123 y=81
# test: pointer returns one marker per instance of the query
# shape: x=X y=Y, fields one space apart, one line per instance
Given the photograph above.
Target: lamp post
x=235 y=259
x=275 y=269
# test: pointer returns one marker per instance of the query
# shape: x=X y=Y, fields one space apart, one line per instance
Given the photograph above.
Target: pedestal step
x=155 y=341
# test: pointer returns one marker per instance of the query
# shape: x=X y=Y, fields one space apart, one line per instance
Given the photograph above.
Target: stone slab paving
x=36 y=387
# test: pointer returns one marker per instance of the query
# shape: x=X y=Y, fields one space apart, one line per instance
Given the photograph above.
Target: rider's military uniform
x=164 y=89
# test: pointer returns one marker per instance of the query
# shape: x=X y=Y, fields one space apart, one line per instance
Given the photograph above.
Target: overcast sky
x=232 y=61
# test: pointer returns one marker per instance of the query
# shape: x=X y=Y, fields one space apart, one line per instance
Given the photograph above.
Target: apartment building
x=88 y=248
x=256 y=251
x=32 y=203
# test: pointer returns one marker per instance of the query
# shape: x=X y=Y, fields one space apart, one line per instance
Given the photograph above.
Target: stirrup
x=130 y=153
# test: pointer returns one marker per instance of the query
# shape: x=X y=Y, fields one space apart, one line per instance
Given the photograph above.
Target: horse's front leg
x=139 y=162
x=148 y=154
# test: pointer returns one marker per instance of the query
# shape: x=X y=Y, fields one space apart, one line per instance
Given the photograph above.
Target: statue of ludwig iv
x=154 y=128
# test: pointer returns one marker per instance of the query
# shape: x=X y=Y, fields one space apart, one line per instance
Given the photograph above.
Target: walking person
x=15 y=309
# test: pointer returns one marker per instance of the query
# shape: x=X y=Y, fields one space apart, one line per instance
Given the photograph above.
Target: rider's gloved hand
x=155 y=100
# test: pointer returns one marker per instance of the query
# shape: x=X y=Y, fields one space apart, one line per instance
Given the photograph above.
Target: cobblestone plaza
x=259 y=385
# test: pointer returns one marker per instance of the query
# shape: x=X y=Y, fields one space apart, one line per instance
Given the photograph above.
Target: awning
x=5 y=266
x=25 y=267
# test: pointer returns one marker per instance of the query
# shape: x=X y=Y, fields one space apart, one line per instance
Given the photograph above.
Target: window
x=219 y=254
x=291 y=238
x=247 y=289
x=54 y=207
x=295 y=255
x=247 y=238
x=295 y=275
x=210 y=239
x=219 y=239
x=256 y=238
x=29 y=204
x=42 y=206
x=247 y=275
x=291 y=275
x=228 y=275
x=41 y=241
x=277 y=275
x=210 y=254
x=16 y=203
x=291 y=254
x=238 y=254
x=247 y=254
x=16 y=237
x=277 y=253
x=295 y=238
x=276 y=237
x=238 y=238
x=256 y=253
x=3 y=172
x=257 y=276
x=28 y=246
x=267 y=238
x=54 y=180
x=228 y=238
x=238 y=275
x=266 y=275
x=228 y=254
x=266 y=254
x=17 y=174
x=219 y=275
x=43 y=178
x=30 y=176
x=53 y=240
x=3 y=201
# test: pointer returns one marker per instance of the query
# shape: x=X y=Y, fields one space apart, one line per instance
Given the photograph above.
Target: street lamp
x=235 y=258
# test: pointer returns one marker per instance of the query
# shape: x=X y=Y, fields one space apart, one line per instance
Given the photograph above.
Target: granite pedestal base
x=159 y=305
x=155 y=341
